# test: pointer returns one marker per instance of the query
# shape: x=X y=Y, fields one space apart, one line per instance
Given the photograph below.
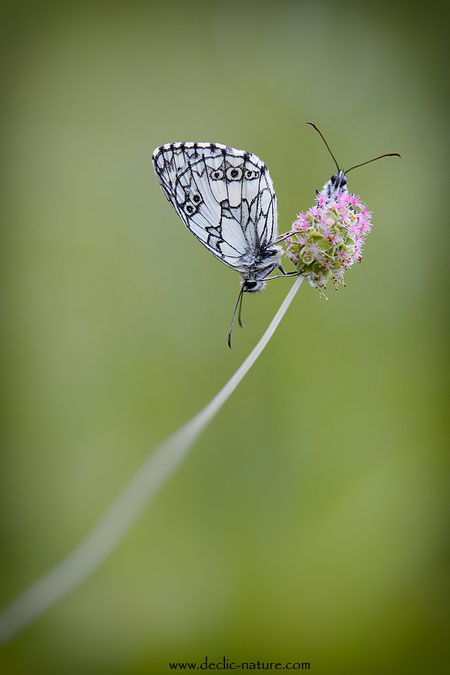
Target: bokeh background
x=308 y=523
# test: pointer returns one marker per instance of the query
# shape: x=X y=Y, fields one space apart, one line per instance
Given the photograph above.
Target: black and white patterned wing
x=224 y=196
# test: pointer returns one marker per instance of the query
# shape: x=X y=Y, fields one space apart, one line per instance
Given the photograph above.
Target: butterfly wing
x=224 y=196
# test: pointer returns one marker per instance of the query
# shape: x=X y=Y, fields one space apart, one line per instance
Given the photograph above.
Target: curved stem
x=110 y=529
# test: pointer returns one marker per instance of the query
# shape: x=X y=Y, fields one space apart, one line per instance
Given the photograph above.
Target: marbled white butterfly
x=225 y=197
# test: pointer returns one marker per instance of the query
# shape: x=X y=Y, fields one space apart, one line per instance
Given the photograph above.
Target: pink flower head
x=328 y=238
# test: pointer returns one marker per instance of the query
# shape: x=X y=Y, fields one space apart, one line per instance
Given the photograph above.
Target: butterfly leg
x=284 y=276
x=284 y=236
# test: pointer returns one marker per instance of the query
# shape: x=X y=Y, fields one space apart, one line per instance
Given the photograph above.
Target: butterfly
x=225 y=197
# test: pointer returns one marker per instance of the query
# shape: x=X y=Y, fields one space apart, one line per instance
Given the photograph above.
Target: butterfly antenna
x=328 y=147
x=240 y=312
x=234 y=315
x=389 y=154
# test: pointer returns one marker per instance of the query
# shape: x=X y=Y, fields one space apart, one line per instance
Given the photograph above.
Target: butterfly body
x=335 y=186
x=225 y=197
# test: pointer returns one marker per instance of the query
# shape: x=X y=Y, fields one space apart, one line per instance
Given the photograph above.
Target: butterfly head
x=338 y=180
x=335 y=186
x=252 y=285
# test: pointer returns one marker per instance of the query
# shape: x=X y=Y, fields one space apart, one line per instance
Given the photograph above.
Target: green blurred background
x=308 y=522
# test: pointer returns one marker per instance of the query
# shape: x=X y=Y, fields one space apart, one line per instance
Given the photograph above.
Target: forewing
x=224 y=196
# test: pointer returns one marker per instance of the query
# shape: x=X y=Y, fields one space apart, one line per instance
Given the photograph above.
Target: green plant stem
x=110 y=529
